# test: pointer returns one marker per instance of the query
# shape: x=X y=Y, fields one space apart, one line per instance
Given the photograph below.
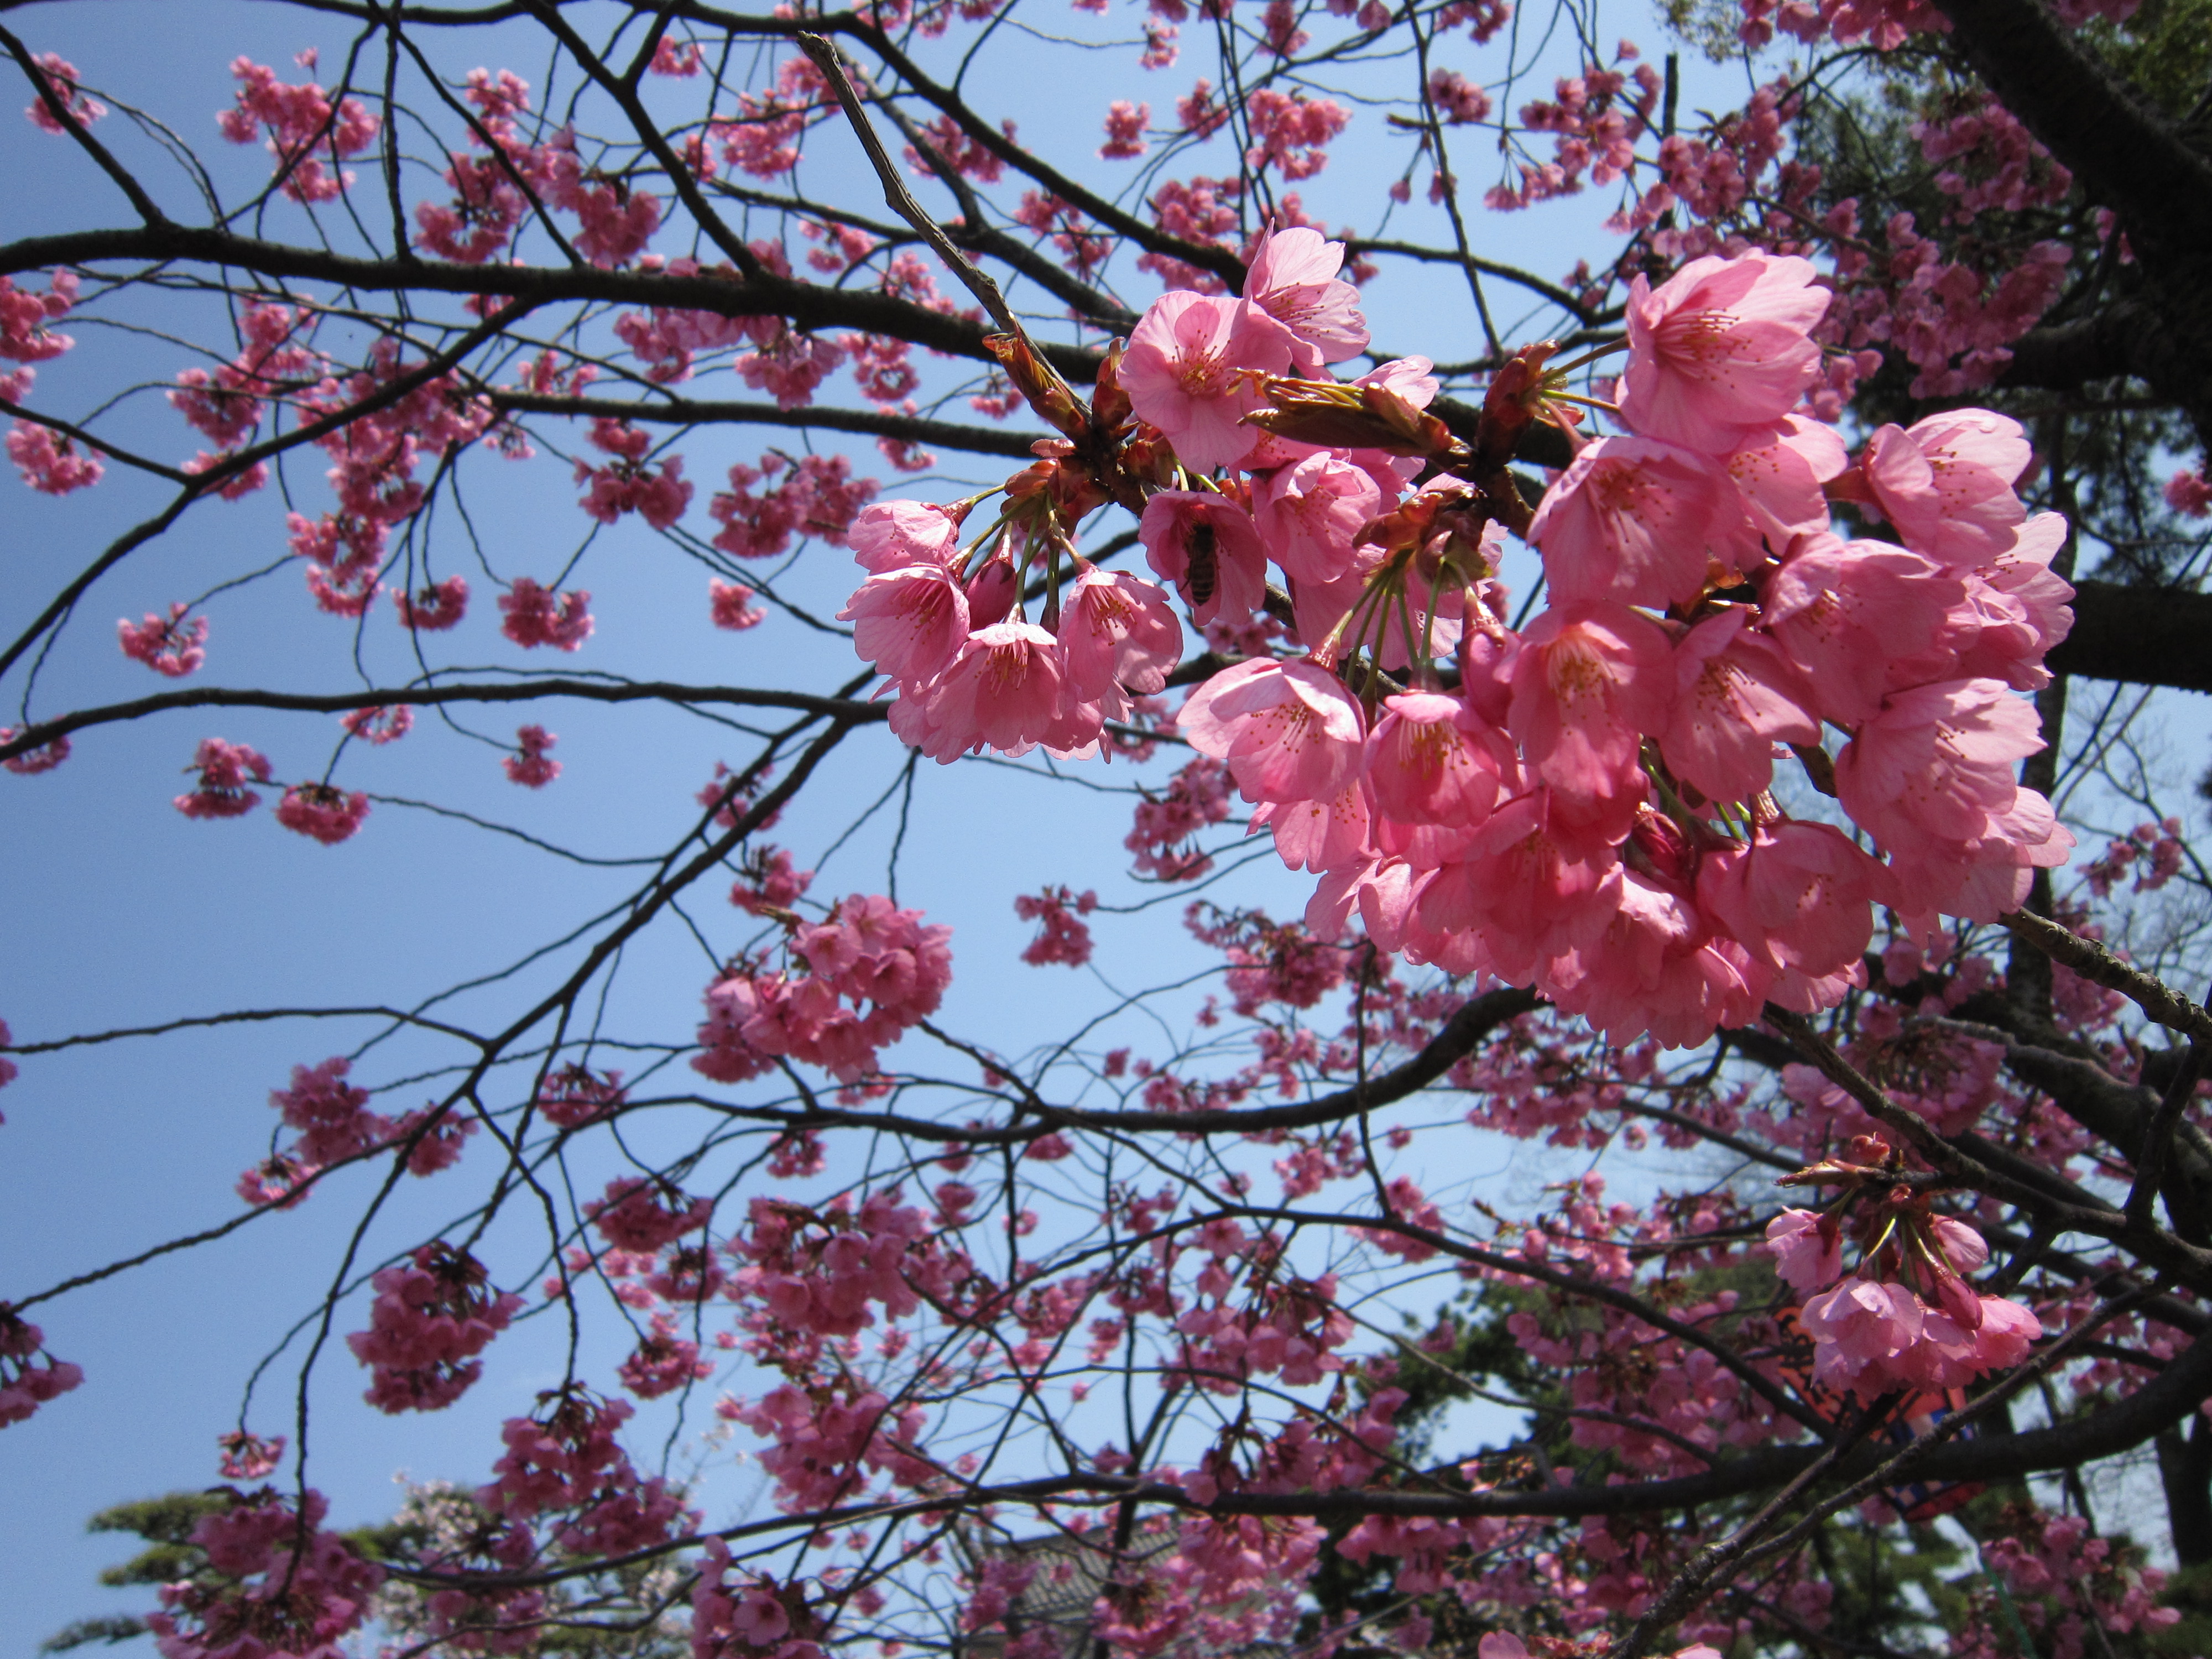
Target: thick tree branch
x=808 y=306
x=708 y=412
x=2127 y=154
x=846 y=710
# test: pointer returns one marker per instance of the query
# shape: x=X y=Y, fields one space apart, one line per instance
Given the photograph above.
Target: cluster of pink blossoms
x=971 y=673
x=532 y=766
x=1062 y=935
x=318 y=811
x=304 y=127
x=868 y=952
x=296 y=1598
x=1906 y=1318
x=168 y=645
x=227 y=770
x=432 y=1315
x=49 y=463
x=334 y=1124
x=733 y=1617
x=567 y=1461
x=1587 y=802
x=27 y=1380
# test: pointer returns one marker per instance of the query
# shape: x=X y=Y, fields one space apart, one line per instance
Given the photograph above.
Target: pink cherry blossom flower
x=24 y=316
x=1807 y=1248
x=1292 y=278
x=1323 y=835
x=536 y=615
x=888 y=535
x=1970 y=1336
x=1062 y=936
x=60 y=76
x=910 y=621
x=1001 y=691
x=24 y=1385
x=32 y=762
x=1936 y=762
x=1858 y=619
x=1963 y=1246
x=1307 y=514
x=1192 y=368
x=431 y=1316
x=52 y=464
x=1209 y=548
x=1289 y=730
x=1782 y=481
x=1642 y=523
x=662 y=1361
x=1798 y=897
x=1722 y=350
x=225 y=770
x=1860 y=1330
x=380 y=725
x=1735 y=697
x=731 y=606
x=303 y=127
x=248 y=1456
x=2019 y=610
x=638 y=1214
x=1590 y=683
x=1536 y=883
x=627 y=485
x=1116 y=630
x=1124 y=131
x=435 y=608
x=1655 y=970
x=1946 y=483
x=332 y=1115
x=1430 y=763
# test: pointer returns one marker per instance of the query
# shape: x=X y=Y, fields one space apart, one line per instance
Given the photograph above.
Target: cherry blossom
x=1720 y=349
x=166 y=644
x=52 y=465
x=59 y=76
x=304 y=128
x=731 y=606
x=536 y=615
x=326 y=814
x=433 y=609
x=1191 y=370
x=432 y=1315
x=380 y=725
x=1062 y=936
x=531 y=767
x=226 y=770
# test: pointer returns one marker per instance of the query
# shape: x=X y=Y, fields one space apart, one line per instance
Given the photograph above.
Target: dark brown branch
x=703 y=411
x=807 y=306
x=2140 y=636
x=2166 y=1399
x=2101 y=967
x=1558 y=297
x=846 y=710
